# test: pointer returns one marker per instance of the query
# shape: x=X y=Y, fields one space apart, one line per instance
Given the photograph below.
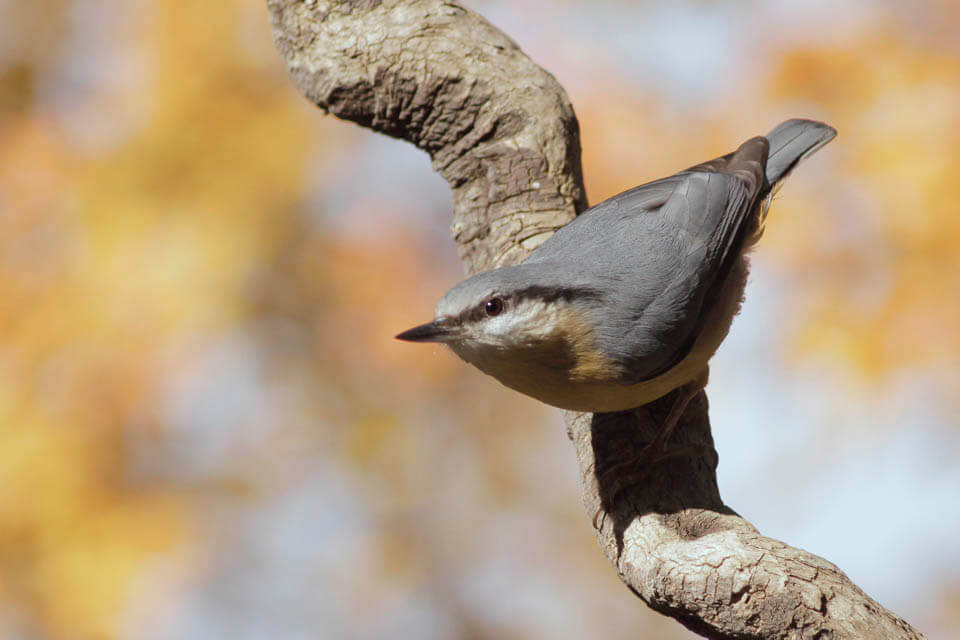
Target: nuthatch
x=631 y=299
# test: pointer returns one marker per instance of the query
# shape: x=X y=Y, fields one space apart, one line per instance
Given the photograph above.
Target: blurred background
x=207 y=429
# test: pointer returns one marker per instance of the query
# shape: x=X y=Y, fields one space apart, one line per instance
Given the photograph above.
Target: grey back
x=659 y=253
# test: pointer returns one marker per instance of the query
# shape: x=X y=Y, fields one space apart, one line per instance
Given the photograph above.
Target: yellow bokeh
x=160 y=195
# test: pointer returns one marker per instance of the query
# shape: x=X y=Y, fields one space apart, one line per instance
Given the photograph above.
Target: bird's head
x=514 y=322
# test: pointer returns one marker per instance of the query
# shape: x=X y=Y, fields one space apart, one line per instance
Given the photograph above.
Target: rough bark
x=502 y=132
x=498 y=128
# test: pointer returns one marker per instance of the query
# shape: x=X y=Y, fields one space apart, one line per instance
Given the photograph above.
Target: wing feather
x=713 y=212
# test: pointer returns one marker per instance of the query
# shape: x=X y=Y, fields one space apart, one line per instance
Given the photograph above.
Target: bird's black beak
x=430 y=332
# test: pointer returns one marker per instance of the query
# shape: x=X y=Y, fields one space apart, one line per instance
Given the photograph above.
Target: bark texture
x=498 y=128
x=502 y=133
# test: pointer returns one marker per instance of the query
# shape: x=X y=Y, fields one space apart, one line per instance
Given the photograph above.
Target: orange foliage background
x=193 y=330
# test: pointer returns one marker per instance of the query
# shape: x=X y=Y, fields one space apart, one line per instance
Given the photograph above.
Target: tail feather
x=792 y=141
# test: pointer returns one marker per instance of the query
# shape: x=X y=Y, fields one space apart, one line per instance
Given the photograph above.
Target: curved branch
x=502 y=132
x=499 y=128
x=689 y=556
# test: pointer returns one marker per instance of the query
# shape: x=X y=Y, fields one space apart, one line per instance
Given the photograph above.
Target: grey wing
x=588 y=237
x=669 y=248
x=713 y=212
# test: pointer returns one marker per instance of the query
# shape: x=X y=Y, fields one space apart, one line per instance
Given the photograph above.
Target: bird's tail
x=791 y=142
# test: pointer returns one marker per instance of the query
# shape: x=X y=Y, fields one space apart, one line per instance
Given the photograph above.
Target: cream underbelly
x=600 y=397
x=556 y=388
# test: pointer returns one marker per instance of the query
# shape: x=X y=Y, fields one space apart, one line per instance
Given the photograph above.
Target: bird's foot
x=633 y=471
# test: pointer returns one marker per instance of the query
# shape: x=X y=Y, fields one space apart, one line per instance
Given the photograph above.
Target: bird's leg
x=657 y=451
x=635 y=470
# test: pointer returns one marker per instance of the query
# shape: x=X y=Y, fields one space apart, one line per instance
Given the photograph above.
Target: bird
x=629 y=300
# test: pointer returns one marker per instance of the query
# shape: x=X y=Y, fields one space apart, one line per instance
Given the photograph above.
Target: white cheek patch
x=521 y=322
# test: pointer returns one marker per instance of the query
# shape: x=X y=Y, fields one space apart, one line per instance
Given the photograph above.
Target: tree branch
x=499 y=128
x=502 y=132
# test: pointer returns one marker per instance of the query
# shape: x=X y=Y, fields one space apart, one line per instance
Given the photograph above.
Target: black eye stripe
x=479 y=312
x=552 y=294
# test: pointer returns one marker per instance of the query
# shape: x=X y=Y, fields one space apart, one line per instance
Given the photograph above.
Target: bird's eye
x=493 y=307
